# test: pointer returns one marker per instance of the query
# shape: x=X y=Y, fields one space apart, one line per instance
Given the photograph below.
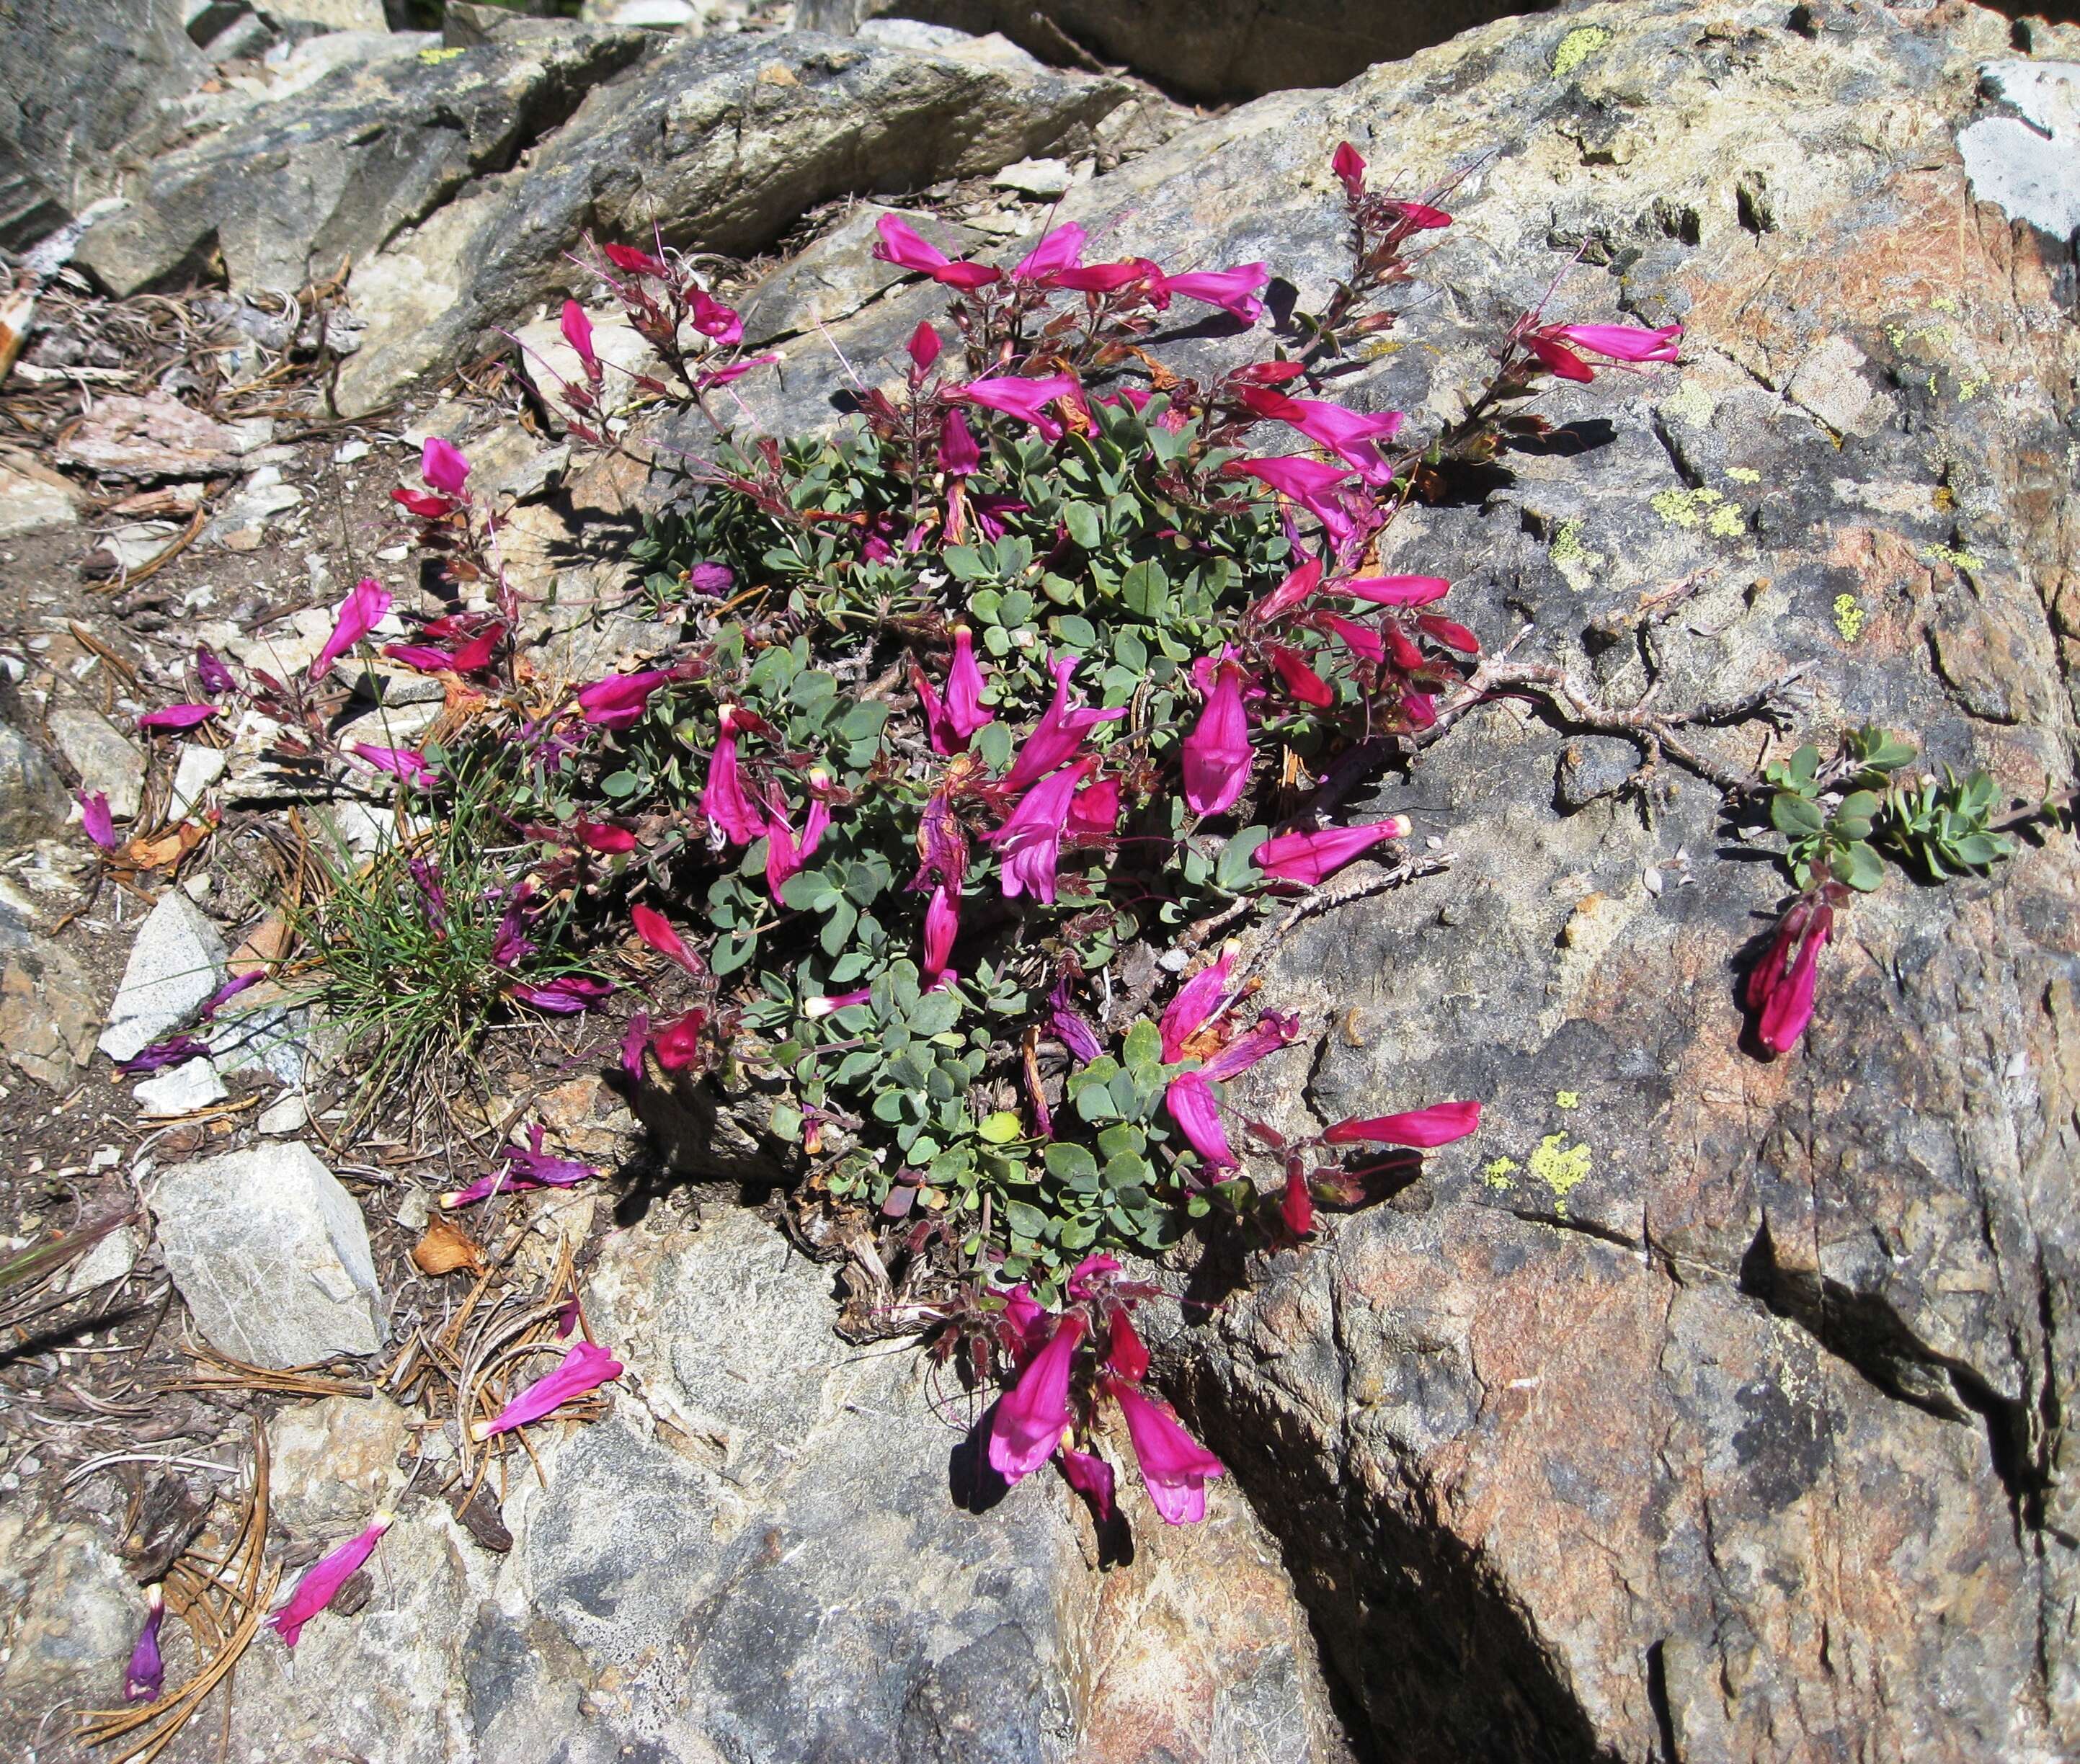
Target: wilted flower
x=526 y=1166
x=634 y=1039
x=711 y=579
x=1296 y=1206
x=563 y=997
x=99 y=824
x=146 y=1674
x=169 y=1052
x=216 y=679
x=1068 y=1024
x=1310 y=857
x=1090 y=1476
x=604 y=837
x=324 y=1578
x=1439 y=1125
x=177 y=716
x=585 y=1368
x=1781 y=986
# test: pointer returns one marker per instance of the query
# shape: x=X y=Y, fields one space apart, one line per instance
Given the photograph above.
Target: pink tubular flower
x=1195 y=1002
x=565 y=997
x=1347 y=434
x=443 y=467
x=577 y=333
x=1310 y=482
x=1190 y=1098
x=835 y=1001
x=1350 y=169
x=1029 y=400
x=1058 y=734
x=1126 y=1357
x=1301 y=681
x=924 y=346
x=94 y=819
x=655 y=929
x=1058 y=252
x=1104 y=278
x=635 y=261
x=708 y=379
x=965 y=714
x=678 y=1043
x=1094 y=811
x=619 y=701
x=720 y=324
x=177 y=716
x=399 y=762
x=1296 y=1206
x=1396 y=590
x=1359 y=640
x=724 y=799
x=959 y=457
x=1032 y=1417
x=1619 y=342
x=1781 y=987
x=605 y=838
x=1091 y=1477
x=1030 y=841
x=1233 y=291
x=1174 y=1466
x=1310 y=857
x=903 y=246
x=586 y=1366
x=1439 y=1125
x=146 y=1674
x=1216 y=753
x=943 y=925
x=324 y=1578
x=784 y=856
x=1290 y=595
x=1270 y=1032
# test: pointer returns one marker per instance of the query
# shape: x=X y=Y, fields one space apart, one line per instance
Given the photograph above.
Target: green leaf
x=1144 y=1045
x=935 y=1013
x=1084 y=524
x=1025 y=1221
x=1072 y=1165
x=1234 y=871
x=999 y=1128
x=786 y=1122
x=731 y=953
x=1146 y=589
x=964 y=563
x=1794 y=816
x=1859 y=867
x=838 y=928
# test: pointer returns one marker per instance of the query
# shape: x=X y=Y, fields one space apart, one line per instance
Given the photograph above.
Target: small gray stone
x=105 y=759
x=1044 y=179
x=200 y=767
x=32 y=801
x=68 y=1616
x=31 y=499
x=49 y=1011
x=180 y=1090
x=289 y=1116
x=176 y=963
x=110 y=1259
x=272 y=1256
x=2029 y=168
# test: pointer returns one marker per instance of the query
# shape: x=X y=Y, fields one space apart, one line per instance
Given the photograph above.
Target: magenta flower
x=1174 y=1466
x=1058 y=734
x=679 y=1042
x=965 y=714
x=1125 y=1356
x=1190 y=1098
x=1300 y=680
x=1309 y=857
x=1439 y=1125
x=1346 y=433
x=230 y=989
x=634 y=1039
x=216 y=679
x=715 y=580
x=324 y=1578
x=835 y=1001
x=708 y=379
x=1091 y=1477
x=1296 y=1206
x=943 y=925
x=422 y=503
x=784 y=855
x=146 y=1674
x=1030 y=841
x=722 y=325
x=655 y=929
x=635 y=262
x=1359 y=640
x=577 y=333
x=1094 y=811
x=177 y=716
x=1271 y=1031
x=1310 y=482
x=1107 y=278
x=1032 y=1417
x=524 y=1167
x=1289 y=594
x=99 y=824
x=1396 y=590
x=1618 y=342
x=1350 y=169
x=924 y=347
x=366 y=602
x=399 y=762
x=902 y=245
x=1029 y=400
x=161 y=1054
x=619 y=701
x=443 y=467
x=511 y=941
x=1233 y=291
x=1782 y=986
x=1216 y=753
x=565 y=997
x=959 y=457
x=1060 y=251
x=586 y=1366
x=724 y=799
x=604 y=837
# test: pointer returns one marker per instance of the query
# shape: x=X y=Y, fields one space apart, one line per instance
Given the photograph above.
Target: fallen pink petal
x=177 y=716
x=584 y=1368
x=323 y=1579
x=145 y=1676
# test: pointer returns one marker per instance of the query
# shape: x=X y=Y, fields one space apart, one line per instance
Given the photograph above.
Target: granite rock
x=175 y=964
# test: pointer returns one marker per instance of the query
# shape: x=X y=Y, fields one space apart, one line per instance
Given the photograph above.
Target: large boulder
x=80 y=82
x=1207 y=49
x=1703 y=1406
x=757 y=1555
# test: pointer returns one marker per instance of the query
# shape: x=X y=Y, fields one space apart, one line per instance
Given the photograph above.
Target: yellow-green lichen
x=1579 y=44
x=1561 y=1167
x=1849 y=617
x=1576 y=564
x=1744 y=474
x=1970 y=386
x=1725 y=522
x=1686 y=508
x=1567 y=1099
x=1956 y=558
x=1691 y=405
x=434 y=58
x=1496 y=1171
